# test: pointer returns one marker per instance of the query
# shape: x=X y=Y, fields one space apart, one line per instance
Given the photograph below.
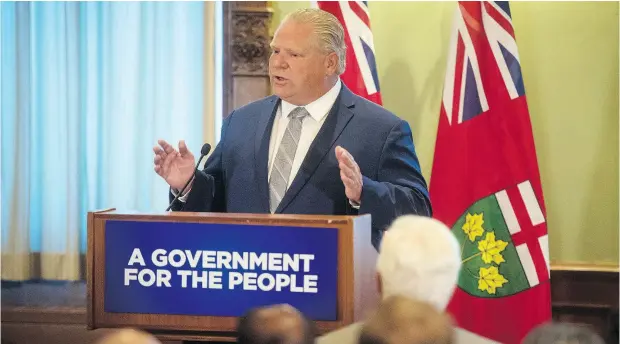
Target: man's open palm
x=176 y=167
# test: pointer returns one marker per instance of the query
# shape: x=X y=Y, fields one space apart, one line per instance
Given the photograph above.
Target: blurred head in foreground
x=278 y=324
x=129 y=336
x=561 y=333
x=401 y=320
x=420 y=258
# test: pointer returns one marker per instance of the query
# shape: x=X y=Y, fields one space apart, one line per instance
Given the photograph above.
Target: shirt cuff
x=182 y=198
x=355 y=205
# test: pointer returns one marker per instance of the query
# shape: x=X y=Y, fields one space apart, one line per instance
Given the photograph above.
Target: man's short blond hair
x=328 y=30
x=401 y=320
x=129 y=336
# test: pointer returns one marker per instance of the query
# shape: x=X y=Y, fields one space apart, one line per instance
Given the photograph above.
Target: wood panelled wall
x=587 y=294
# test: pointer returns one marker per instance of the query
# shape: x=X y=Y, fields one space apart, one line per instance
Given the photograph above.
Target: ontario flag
x=360 y=74
x=485 y=182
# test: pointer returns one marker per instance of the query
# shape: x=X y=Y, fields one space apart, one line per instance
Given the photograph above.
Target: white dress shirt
x=311 y=125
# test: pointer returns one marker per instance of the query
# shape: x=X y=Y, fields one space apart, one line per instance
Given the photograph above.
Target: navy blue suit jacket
x=235 y=177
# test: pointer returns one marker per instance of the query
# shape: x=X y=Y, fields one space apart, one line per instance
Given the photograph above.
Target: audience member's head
x=402 y=320
x=420 y=258
x=129 y=336
x=278 y=324
x=562 y=333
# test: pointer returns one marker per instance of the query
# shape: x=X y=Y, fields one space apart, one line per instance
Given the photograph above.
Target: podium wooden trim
x=357 y=292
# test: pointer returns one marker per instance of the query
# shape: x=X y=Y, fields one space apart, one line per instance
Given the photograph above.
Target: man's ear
x=331 y=63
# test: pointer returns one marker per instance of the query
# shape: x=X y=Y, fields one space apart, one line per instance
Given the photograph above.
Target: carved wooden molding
x=250 y=43
x=246 y=52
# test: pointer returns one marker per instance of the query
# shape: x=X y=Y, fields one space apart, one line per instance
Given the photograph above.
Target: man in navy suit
x=313 y=147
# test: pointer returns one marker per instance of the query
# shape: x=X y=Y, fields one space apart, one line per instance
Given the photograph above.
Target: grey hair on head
x=563 y=333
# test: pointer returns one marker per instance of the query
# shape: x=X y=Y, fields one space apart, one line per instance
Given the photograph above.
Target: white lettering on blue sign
x=208 y=269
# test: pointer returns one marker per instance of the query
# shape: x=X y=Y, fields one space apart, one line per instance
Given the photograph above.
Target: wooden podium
x=351 y=260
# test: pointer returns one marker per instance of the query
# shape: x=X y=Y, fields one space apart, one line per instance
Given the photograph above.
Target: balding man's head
x=279 y=324
x=129 y=336
x=419 y=258
x=401 y=320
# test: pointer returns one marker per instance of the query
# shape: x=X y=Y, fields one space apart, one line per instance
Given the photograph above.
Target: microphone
x=206 y=148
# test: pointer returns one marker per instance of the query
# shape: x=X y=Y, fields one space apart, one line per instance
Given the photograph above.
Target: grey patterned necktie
x=281 y=170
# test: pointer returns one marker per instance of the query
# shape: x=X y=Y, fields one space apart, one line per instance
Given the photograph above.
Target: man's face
x=297 y=67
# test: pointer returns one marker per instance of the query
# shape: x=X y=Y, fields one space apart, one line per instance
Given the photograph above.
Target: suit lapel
x=337 y=119
x=261 y=149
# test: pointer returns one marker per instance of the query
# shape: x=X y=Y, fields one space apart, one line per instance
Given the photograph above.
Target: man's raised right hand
x=176 y=167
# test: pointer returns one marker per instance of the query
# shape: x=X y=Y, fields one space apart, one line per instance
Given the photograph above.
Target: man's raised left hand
x=350 y=175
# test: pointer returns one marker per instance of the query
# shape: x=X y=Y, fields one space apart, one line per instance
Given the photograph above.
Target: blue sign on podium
x=219 y=269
